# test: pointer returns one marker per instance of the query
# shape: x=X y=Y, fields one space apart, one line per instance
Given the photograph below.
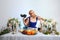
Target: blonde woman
x=31 y=21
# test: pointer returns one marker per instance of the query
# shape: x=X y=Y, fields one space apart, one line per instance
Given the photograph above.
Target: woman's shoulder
x=39 y=17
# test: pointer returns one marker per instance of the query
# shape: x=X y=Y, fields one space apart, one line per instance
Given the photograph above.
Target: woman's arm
x=40 y=18
x=26 y=21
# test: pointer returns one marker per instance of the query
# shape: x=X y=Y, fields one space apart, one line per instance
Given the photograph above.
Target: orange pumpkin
x=33 y=32
x=29 y=32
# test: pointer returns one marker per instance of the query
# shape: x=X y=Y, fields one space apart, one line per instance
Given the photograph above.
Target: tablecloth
x=20 y=36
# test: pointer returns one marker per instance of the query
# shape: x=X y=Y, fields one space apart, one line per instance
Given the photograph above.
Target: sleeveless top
x=32 y=24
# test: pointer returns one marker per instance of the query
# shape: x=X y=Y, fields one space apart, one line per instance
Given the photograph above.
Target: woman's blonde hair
x=33 y=11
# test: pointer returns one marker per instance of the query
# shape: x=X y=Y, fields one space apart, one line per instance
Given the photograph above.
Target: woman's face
x=31 y=13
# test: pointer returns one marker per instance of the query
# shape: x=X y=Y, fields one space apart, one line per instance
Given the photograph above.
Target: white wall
x=44 y=8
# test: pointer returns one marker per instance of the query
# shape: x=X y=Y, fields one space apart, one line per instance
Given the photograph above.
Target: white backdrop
x=44 y=8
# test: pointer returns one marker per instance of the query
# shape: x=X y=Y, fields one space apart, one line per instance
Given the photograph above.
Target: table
x=20 y=36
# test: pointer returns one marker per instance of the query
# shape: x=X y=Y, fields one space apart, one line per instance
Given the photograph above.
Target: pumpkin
x=33 y=32
x=29 y=32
